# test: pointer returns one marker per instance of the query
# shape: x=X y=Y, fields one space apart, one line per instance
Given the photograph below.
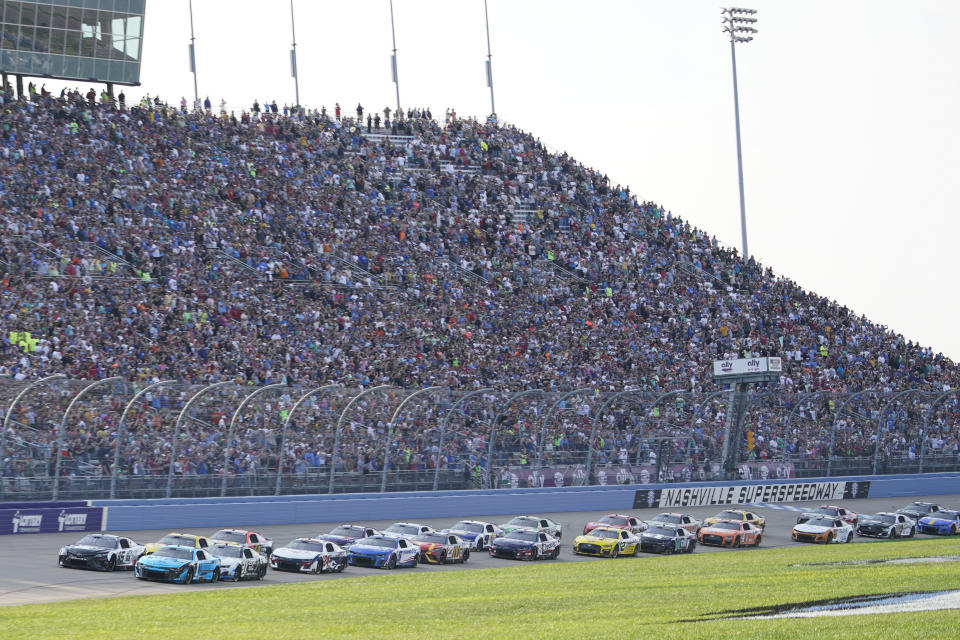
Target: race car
x=946 y=522
x=238 y=563
x=440 y=548
x=177 y=540
x=309 y=555
x=383 y=552
x=830 y=511
x=607 y=542
x=667 y=538
x=917 y=510
x=886 y=525
x=347 y=534
x=737 y=515
x=256 y=541
x=536 y=523
x=617 y=521
x=689 y=523
x=823 y=529
x=525 y=544
x=102 y=552
x=405 y=530
x=478 y=534
x=730 y=533
x=182 y=565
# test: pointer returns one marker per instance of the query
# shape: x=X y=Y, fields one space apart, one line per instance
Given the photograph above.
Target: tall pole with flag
x=293 y=57
x=393 y=58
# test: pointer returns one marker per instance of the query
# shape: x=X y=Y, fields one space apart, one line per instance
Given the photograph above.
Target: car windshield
x=171 y=552
x=405 y=529
x=820 y=522
x=230 y=536
x=305 y=545
x=618 y=520
x=668 y=517
x=882 y=518
x=661 y=531
x=732 y=526
x=348 y=530
x=523 y=521
x=439 y=538
x=386 y=543
x=226 y=551
x=181 y=541
x=98 y=541
x=472 y=527
x=605 y=533
x=826 y=511
x=526 y=536
x=918 y=506
x=948 y=514
x=729 y=515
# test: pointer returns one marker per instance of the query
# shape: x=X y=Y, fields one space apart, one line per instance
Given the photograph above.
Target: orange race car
x=731 y=533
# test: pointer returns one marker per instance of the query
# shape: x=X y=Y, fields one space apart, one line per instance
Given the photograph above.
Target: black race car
x=102 y=552
x=917 y=510
x=886 y=525
x=662 y=538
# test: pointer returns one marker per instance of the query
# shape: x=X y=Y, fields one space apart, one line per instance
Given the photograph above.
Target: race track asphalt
x=31 y=575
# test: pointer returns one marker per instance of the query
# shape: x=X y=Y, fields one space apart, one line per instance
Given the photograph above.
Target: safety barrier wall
x=180 y=513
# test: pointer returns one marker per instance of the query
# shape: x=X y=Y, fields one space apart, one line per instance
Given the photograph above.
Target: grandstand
x=196 y=304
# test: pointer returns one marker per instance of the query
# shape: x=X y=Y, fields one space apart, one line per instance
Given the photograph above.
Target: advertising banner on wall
x=575 y=475
x=51 y=520
x=747 y=494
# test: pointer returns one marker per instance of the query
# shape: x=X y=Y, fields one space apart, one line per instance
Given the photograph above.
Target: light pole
x=193 y=58
x=393 y=58
x=738 y=23
x=293 y=57
x=486 y=16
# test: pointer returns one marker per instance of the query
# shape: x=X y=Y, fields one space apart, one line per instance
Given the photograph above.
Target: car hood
x=935 y=520
x=86 y=550
x=508 y=543
x=719 y=532
x=811 y=528
x=594 y=540
x=398 y=536
x=229 y=563
x=466 y=535
x=370 y=549
x=162 y=562
x=296 y=554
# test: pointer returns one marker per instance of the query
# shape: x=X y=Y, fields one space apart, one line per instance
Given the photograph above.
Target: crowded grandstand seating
x=150 y=244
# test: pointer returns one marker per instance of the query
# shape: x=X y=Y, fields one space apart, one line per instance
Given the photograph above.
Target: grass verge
x=628 y=598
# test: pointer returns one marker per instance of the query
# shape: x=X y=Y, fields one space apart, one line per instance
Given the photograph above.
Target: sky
x=848 y=113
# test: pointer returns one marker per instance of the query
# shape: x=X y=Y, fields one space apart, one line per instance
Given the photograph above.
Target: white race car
x=256 y=541
x=823 y=529
x=405 y=530
x=688 y=522
x=478 y=534
x=102 y=552
x=309 y=555
x=239 y=563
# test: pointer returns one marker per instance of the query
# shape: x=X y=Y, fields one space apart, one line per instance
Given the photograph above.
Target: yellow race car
x=177 y=540
x=737 y=515
x=607 y=542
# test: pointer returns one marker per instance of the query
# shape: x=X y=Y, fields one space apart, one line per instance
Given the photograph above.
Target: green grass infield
x=659 y=597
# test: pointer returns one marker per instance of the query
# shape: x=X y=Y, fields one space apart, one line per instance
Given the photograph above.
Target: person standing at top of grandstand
x=336 y=111
x=386 y=116
x=359 y=113
x=273 y=106
x=369 y=123
x=183 y=104
x=256 y=106
x=376 y=121
x=223 y=106
x=122 y=100
x=92 y=97
x=207 y=104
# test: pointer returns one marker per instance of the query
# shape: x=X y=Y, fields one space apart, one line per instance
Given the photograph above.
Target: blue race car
x=946 y=522
x=383 y=552
x=525 y=544
x=182 y=565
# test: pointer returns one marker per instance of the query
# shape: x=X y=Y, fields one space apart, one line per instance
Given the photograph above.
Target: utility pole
x=393 y=58
x=293 y=57
x=193 y=57
x=493 y=109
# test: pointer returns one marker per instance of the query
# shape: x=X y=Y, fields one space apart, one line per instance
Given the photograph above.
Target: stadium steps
x=559 y=271
x=395 y=140
x=467 y=272
x=233 y=260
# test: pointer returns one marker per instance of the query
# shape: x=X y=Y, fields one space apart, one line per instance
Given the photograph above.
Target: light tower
x=738 y=23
